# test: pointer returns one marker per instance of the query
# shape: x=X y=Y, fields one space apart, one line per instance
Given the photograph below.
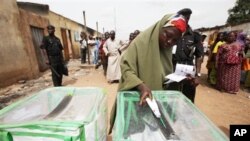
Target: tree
x=239 y=13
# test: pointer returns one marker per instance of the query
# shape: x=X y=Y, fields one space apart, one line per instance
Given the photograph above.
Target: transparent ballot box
x=57 y=114
x=180 y=120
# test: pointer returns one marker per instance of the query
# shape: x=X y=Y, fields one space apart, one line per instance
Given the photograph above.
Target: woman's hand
x=145 y=92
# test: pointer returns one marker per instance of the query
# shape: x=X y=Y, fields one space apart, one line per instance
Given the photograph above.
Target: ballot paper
x=174 y=49
x=181 y=71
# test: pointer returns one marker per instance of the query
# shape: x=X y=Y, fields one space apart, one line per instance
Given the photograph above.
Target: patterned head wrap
x=177 y=21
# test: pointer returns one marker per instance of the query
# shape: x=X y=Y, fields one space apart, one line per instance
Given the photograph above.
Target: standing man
x=110 y=48
x=126 y=44
x=96 y=52
x=91 y=45
x=200 y=60
x=189 y=47
x=83 y=47
x=52 y=48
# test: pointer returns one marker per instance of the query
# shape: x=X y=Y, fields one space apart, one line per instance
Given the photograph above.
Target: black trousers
x=56 y=67
x=83 y=55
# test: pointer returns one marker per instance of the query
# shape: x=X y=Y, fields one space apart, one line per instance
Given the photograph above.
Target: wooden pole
x=85 y=27
x=97 y=35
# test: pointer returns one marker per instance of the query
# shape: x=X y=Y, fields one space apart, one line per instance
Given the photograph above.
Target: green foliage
x=239 y=13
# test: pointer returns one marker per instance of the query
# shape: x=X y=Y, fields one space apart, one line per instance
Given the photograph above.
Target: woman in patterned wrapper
x=228 y=64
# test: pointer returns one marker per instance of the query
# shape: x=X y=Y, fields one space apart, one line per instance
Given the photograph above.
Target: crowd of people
x=105 y=51
x=228 y=57
x=228 y=61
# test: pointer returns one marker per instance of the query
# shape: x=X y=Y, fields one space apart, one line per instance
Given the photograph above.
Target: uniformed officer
x=52 y=48
x=189 y=47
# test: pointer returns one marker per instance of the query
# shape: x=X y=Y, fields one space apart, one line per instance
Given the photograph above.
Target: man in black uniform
x=189 y=47
x=52 y=48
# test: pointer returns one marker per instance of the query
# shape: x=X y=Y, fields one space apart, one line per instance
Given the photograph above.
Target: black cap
x=185 y=11
x=50 y=27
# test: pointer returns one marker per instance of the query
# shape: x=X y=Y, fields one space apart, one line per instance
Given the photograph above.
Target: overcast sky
x=125 y=16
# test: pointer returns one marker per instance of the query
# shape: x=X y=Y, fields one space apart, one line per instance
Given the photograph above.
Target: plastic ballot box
x=57 y=114
x=180 y=120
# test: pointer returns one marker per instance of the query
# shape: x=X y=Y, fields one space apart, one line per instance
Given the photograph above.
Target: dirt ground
x=221 y=108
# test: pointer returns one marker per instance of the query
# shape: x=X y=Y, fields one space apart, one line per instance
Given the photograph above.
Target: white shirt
x=83 y=44
x=111 y=46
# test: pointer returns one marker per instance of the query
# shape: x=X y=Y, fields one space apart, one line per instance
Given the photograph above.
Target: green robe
x=145 y=62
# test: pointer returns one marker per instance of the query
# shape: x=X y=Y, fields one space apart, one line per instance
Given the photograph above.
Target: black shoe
x=96 y=67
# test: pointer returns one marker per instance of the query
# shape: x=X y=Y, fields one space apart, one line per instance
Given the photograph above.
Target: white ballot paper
x=174 y=49
x=181 y=71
